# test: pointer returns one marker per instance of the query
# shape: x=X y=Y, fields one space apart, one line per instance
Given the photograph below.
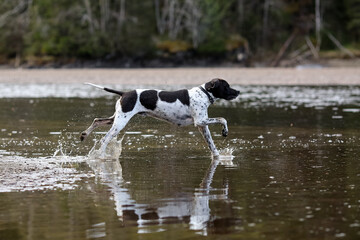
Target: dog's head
x=221 y=89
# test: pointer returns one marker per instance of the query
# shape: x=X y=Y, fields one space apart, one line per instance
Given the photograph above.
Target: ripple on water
x=41 y=173
x=251 y=96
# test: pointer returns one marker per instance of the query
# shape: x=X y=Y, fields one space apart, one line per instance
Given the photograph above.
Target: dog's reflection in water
x=193 y=210
x=200 y=211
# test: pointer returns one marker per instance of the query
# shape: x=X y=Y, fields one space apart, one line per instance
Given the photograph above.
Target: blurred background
x=166 y=33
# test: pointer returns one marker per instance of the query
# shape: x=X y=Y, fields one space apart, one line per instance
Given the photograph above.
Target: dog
x=182 y=107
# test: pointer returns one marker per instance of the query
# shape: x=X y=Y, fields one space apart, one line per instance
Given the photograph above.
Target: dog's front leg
x=204 y=130
x=218 y=120
x=107 y=138
x=120 y=121
x=96 y=123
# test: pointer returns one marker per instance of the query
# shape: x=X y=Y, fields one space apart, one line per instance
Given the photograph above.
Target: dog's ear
x=212 y=84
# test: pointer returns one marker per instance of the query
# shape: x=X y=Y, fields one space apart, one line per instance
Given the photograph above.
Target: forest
x=176 y=32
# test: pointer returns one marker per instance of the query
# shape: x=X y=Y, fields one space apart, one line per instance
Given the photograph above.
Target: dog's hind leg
x=205 y=132
x=120 y=121
x=96 y=123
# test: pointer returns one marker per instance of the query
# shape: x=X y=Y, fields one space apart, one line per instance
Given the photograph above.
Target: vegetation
x=41 y=31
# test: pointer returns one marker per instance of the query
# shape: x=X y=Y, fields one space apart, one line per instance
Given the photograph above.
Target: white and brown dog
x=182 y=107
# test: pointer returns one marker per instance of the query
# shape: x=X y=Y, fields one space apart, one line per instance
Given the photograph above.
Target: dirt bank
x=186 y=76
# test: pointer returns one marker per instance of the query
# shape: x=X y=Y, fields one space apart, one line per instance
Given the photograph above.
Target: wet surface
x=290 y=169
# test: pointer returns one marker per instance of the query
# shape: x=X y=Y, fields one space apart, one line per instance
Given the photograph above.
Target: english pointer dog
x=182 y=107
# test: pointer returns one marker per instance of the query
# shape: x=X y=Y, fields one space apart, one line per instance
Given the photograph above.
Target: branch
x=297 y=52
x=88 y=16
x=283 y=49
x=312 y=47
x=160 y=17
x=341 y=47
x=300 y=58
x=18 y=9
x=318 y=25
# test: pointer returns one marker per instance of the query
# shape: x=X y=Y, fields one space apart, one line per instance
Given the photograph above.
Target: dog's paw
x=83 y=136
x=225 y=132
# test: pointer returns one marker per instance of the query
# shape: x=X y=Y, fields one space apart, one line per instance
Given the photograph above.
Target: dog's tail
x=106 y=89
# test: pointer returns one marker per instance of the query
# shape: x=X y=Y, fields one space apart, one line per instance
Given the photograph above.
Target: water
x=289 y=169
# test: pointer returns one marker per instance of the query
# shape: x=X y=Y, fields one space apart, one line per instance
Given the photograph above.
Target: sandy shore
x=186 y=76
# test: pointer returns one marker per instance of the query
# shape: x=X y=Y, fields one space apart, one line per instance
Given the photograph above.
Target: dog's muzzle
x=233 y=95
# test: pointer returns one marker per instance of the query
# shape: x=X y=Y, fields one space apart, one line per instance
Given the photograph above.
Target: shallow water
x=290 y=169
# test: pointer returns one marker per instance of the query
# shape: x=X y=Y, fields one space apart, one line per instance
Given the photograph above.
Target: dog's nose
x=237 y=92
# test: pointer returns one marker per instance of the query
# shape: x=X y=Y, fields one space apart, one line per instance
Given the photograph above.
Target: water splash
x=113 y=150
x=227 y=152
x=226 y=156
x=41 y=173
x=59 y=150
x=66 y=144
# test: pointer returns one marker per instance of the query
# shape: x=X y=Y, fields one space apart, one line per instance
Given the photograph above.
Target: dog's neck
x=211 y=99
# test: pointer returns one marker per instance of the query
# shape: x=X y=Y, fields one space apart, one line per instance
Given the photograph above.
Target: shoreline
x=185 y=76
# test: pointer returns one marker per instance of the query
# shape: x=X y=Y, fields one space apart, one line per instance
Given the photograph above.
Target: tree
x=14 y=22
x=353 y=12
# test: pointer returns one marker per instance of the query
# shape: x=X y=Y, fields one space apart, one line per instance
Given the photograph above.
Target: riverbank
x=186 y=76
